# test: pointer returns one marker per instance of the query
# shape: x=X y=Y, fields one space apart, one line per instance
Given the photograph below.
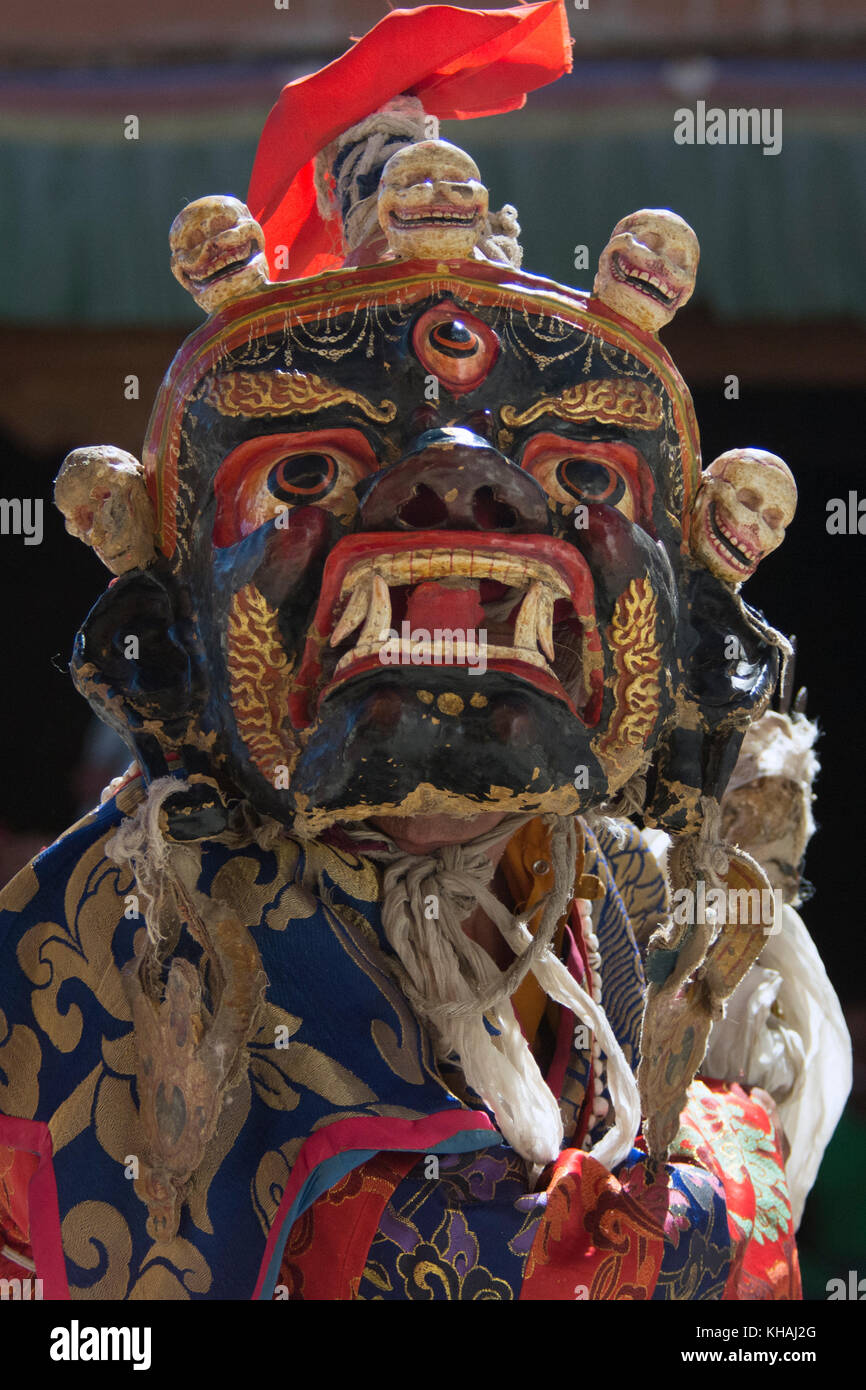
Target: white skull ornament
x=746 y=500
x=102 y=494
x=647 y=270
x=217 y=251
x=432 y=202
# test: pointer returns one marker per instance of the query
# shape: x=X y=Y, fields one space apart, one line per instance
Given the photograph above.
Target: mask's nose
x=452 y=480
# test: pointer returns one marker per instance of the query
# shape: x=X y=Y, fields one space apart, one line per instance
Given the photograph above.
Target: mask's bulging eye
x=578 y=472
x=589 y=481
x=453 y=338
x=267 y=478
x=303 y=477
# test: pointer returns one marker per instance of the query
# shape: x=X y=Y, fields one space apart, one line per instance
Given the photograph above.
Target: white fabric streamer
x=803 y=1058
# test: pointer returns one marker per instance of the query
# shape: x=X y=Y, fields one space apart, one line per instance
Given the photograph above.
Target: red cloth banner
x=459 y=63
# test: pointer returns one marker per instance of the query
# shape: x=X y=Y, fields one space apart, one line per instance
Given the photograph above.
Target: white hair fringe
x=139 y=842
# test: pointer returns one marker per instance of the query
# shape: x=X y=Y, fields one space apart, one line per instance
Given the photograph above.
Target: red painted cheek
x=609 y=537
x=305 y=538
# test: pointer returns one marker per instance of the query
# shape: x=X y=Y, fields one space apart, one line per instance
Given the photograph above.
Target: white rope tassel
x=403 y=119
x=553 y=977
x=453 y=984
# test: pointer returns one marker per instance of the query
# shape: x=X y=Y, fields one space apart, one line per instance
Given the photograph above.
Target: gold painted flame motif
x=629 y=403
x=259 y=673
x=636 y=663
x=253 y=394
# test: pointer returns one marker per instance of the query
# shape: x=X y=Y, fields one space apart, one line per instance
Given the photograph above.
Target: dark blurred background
x=87 y=301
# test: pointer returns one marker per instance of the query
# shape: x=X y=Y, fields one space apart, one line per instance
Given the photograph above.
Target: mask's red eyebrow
x=261 y=453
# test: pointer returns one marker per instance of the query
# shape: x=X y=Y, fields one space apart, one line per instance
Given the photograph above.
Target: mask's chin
x=443 y=742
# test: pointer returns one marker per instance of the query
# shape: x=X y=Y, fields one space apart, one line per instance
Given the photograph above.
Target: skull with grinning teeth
x=217 y=251
x=746 y=500
x=100 y=491
x=647 y=270
x=431 y=201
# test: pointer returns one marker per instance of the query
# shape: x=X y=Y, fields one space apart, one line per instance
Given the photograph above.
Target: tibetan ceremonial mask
x=421 y=546
x=416 y=532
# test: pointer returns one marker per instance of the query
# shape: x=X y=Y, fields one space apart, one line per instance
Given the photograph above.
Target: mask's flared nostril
x=454 y=480
x=424 y=511
x=490 y=514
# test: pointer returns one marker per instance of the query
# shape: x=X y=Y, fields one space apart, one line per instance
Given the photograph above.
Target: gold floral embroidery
x=273 y=900
x=21 y=889
x=95 y=1235
x=271 y=1178
x=79 y=947
x=190 y=1273
x=72 y=1117
x=20 y=1060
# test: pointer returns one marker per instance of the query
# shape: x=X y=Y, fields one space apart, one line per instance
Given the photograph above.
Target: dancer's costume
x=218 y=1076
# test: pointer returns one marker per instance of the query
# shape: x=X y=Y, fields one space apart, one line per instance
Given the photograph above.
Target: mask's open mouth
x=232 y=259
x=520 y=605
x=729 y=544
x=652 y=285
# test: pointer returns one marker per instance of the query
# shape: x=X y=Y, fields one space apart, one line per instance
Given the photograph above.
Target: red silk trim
x=17 y=1167
x=369 y=1132
x=328 y=1246
x=459 y=63
x=34 y=1137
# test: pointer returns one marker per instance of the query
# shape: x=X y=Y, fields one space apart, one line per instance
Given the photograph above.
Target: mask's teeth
x=420 y=565
x=534 y=625
x=355 y=611
x=378 y=619
x=545 y=622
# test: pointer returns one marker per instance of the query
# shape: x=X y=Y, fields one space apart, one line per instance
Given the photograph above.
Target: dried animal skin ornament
x=192 y=1025
x=365 y=901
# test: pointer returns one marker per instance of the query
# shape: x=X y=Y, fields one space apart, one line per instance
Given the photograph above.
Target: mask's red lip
x=533 y=553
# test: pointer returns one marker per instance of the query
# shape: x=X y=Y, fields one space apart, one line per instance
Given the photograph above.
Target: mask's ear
x=727 y=668
x=134 y=661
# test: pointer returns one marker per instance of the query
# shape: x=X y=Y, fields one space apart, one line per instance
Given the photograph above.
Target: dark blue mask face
x=429 y=552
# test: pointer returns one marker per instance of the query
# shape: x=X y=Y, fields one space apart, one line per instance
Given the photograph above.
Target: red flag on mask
x=459 y=63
